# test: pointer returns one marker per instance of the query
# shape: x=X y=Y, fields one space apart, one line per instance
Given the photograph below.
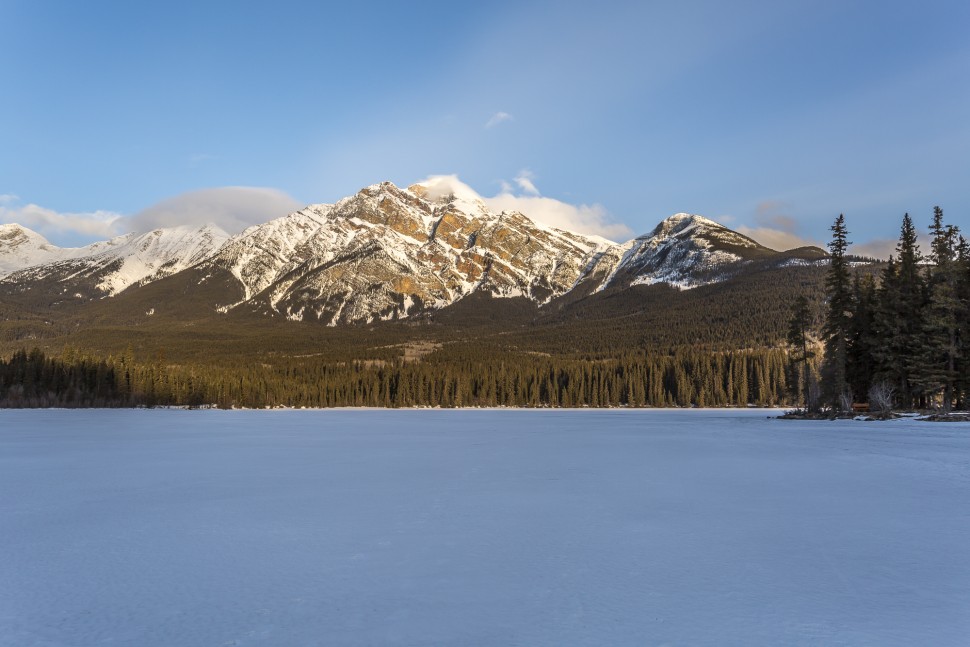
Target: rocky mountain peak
x=21 y=247
x=12 y=234
x=385 y=253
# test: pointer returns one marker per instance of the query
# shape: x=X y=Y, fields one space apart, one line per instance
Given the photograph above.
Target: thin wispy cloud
x=201 y=158
x=881 y=248
x=776 y=239
x=498 y=118
x=525 y=181
x=775 y=228
x=774 y=213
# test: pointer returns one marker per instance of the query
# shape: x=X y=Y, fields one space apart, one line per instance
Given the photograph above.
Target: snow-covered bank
x=480 y=527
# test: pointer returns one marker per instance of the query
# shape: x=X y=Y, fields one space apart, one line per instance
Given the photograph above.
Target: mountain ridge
x=388 y=253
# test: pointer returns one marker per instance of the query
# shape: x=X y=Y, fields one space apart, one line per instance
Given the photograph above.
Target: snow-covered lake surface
x=174 y=528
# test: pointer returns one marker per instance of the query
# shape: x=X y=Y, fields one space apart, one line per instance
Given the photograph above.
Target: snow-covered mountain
x=109 y=266
x=386 y=253
x=20 y=247
x=684 y=250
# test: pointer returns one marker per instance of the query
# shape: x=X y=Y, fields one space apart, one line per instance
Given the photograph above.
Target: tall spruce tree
x=838 y=318
x=901 y=317
x=937 y=373
x=885 y=367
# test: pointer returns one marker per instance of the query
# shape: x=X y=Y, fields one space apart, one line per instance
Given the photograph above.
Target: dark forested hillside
x=721 y=344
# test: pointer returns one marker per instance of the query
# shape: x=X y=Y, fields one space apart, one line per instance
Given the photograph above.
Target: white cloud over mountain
x=582 y=218
x=233 y=208
x=52 y=223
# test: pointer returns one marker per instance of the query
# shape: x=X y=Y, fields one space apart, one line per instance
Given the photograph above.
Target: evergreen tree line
x=899 y=338
x=689 y=377
x=35 y=380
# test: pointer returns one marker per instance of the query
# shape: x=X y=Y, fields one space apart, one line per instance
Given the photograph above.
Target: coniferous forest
x=826 y=336
x=899 y=337
x=683 y=379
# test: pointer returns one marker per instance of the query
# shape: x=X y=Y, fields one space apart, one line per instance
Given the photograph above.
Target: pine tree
x=885 y=327
x=906 y=343
x=937 y=373
x=837 y=322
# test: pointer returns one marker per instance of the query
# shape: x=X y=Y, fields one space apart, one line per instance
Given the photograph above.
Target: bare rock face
x=384 y=253
x=388 y=252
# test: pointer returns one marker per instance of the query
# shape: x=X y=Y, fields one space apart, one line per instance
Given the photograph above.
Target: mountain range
x=385 y=253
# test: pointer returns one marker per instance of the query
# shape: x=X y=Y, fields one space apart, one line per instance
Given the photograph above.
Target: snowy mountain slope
x=684 y=250
x=387 y=253
x=20 y=247
x=109 y=266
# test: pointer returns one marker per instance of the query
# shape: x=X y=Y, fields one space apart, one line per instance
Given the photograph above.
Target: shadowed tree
x=937 y=373
x=799 y=328
x=899 y=318
x=838 y=318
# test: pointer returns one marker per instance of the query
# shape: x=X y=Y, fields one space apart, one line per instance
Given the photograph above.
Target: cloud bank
x=584 y=219
x=233 y=208
x=55 y=224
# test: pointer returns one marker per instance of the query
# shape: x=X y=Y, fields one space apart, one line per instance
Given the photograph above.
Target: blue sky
x=770 y=117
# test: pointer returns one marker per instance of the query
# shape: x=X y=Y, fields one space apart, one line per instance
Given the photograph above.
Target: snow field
x=505 y=527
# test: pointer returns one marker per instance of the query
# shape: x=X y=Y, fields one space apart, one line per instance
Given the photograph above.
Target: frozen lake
x=480 y=528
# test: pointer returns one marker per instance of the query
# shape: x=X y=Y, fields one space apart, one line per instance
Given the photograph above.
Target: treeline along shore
x=685 y=378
